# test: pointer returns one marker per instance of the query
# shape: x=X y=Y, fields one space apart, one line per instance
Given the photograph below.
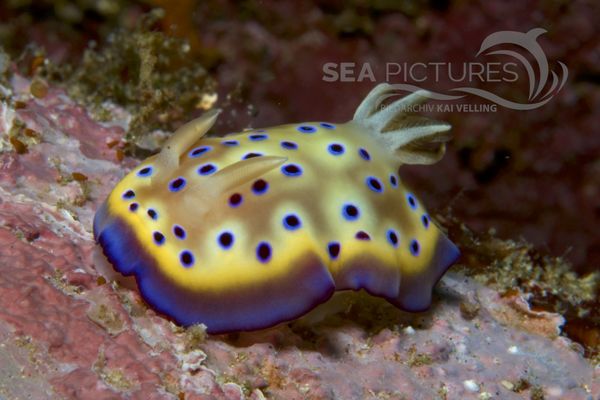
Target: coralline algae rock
x=67 y=333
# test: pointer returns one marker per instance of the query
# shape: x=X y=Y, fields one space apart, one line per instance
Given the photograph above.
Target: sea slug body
x=257 y=228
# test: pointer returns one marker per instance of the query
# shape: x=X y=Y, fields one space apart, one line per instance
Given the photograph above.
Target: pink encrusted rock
x=66 y=334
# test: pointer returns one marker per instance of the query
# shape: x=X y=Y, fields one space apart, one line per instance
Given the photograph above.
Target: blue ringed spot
x=207 y=169
x=257 y=137
x=159 y=238
x=251 y=155
x=393 y=181
x=364 y=154
x=133 y=207
x=392 y=237
x=336 y=149
x=291 y=222
x=350 y=212
x=306 y=129
x=412 y=202
x=263 y=252
x=374 y=184
x=333 y=248
x=425 y=220
x=198 y=151
x=235 y=200
x=152 y=213
x=226 y=240
x=260 y=187
x=145 y=172
x=327 y=125
x=291 y=170
x=289 y=145
x=186 y=258
x=179 y=232
x=177 y=184
x=415 y=249
x=128 y=194
x=230 y=143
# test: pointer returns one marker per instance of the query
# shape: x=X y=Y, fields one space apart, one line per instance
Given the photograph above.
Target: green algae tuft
x=143 y=70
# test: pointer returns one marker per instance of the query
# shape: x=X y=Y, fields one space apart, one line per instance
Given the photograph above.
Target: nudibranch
x=256 y=228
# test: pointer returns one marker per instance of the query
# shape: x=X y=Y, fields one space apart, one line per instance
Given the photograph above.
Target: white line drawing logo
x=528 y=41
